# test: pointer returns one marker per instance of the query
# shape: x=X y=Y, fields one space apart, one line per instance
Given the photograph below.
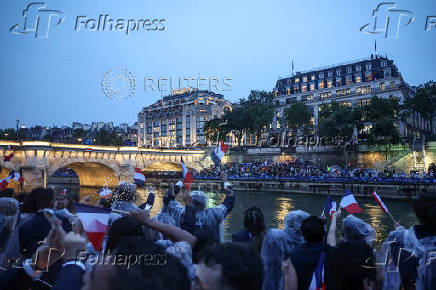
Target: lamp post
x=18 y=135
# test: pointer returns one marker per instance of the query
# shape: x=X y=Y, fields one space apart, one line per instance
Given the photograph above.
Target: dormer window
x=321 y=75
x=312 y=77
x=304 y=79
x=297 y=80
x=358 y=67
x=384 y=63
x=368 y=66
x=338 y=72
x=387 y=72
x=349 y=70
x=330 y=73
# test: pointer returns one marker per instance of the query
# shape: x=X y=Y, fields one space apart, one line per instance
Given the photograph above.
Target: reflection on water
x=276 y=206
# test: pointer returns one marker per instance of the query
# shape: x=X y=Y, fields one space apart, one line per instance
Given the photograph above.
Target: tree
x=382 y=116
x=8 y=134
x=259 y=109
x=424 y=103
x=297 y=117
x=216 y=128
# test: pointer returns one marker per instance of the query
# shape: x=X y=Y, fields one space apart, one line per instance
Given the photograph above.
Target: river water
x=275 y=206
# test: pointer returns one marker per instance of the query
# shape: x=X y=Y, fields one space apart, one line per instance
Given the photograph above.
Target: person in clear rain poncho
x=356 y=230
x=195 y=217
x=276 y=247
x=124 y=197
x=409 y=255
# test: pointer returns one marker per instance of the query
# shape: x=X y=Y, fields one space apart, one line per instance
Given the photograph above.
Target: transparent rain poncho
x=276 y=247
x=208 y=219
x=424 y=250
x=124 y=198
x=357 y=230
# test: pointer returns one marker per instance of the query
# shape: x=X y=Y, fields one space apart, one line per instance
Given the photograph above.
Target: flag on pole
x=318 y=275
x=380 y=202
x=292 y=67
x=4 y=183
x=330 y=206
x=8 y=157
x=11 y=147
x=139 y=177
x=187 y=176
x=95 y=222
x=219 y=152
x=375 y=46
x=16 y=176
x=349 y=203
x=105 y=192
x=64 y=192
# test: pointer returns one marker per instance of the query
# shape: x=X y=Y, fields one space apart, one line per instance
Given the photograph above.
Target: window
x=312 y=86
x=312 y=77
x=358 y=67
x=330 y=73
x=346 y=104
x=392 y=84
x=348 y=80
x=368 y=66
x=368 y=76
x=384 y=63
x=338 y=72
x=304 y=88
x=321 y=75
x=156 y=124
x=297 y=80
x=382 y=86
x=288 y=91
x=307 y=97
x=304 y=79
x=387 y=72
x=156 y=134
x=349 y=70
x=338 y=81
x=320 y=84
x=330 y=83
x=288 y=81
x=344 y=92
x=358 y=78
x=363 y=90
x=325 y=95
x=363 y=102
x=296 y=89
x=290 y=100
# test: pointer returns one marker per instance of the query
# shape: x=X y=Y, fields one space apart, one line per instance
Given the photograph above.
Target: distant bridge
x=95 y=165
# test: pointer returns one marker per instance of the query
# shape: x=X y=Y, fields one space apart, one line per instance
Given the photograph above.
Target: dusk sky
x=57 y=80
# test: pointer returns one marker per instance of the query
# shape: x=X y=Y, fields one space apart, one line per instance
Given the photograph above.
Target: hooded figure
x=124 y=197
x=355 y=229
x=197 y=217
x=276 y=247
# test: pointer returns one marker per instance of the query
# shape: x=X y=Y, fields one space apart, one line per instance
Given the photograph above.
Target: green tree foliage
x=297 y=117
x=335 y=119
x=105 y=137
x=216 y=128
x=8 y=134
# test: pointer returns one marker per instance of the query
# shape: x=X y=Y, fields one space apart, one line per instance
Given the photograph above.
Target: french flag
x=187 y=176
x=7 y=158
x=380 y=202
x=95 y=222
x=218 y=153
x=139 y=177
x=105 y=192
x=330 y=206
x=349 y=203
x=317 y=282
x=64 y=192
x=16 y=176
x=4 y=183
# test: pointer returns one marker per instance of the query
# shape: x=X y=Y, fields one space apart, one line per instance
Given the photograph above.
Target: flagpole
x=392 y=217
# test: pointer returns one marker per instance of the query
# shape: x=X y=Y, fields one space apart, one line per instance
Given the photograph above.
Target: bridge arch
x=93 y=174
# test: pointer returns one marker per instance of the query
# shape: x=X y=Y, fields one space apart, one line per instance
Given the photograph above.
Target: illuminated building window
x=368 y=76
x=297 y=80
x=358 y=78
x=363 y=102
x=346 y=104
x=296 y=89
x=288 y=91
x=304 y=88
x=312 y=86
x=348 y=80
x=392 y=84
x=325 y=95
x=338 y=81
x=363 y=90
x=304 y=79
x=344 y=92
x=382 y=86
x=320 y=84
x=307 y=98
x=330 y=83
x=312 y=77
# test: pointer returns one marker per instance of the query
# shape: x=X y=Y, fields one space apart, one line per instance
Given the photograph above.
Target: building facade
x=351 y=83
x=178 y=119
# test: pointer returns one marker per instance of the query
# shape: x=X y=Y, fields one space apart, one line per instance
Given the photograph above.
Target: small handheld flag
x=187 y=176
x=219 y=152
x=95 y=222
x=8 y=157
x=139 y=177
x=330 y=206
x=105 y=192
x=382 y=205
x=349 y=203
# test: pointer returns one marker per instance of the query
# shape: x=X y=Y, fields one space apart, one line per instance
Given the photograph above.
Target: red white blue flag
x=218 y=153
x=13 y=175
x=317 y=282
x=95 y=222
x=349 y=203
x=330 y=206
x=380 y=202
x=139 y=177
x=7 y=158
x=105 y=192
x=187 y=176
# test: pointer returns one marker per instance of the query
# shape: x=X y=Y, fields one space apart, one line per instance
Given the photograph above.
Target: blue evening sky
x=57 y=80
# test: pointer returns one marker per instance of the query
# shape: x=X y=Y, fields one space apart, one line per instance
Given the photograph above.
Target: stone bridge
x=95 y=165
